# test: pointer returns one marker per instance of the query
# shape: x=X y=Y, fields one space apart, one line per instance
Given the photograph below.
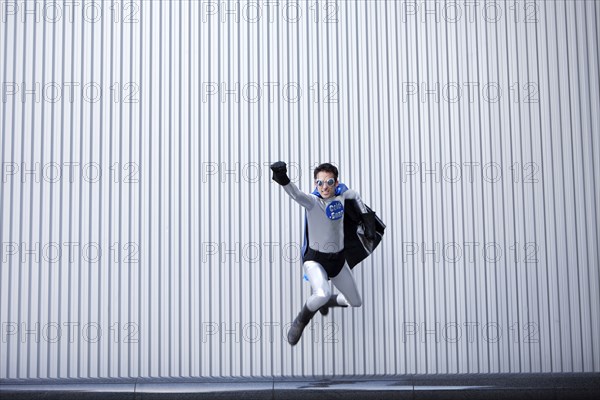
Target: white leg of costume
x=345 y=283
x=320 y=286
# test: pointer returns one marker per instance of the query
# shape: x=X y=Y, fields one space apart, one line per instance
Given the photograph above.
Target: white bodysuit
x=325 y=219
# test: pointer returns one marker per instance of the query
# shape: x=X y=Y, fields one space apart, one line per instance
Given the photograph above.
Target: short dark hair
x=327 y=168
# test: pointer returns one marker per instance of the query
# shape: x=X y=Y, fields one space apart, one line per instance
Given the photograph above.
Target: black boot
x=299 y=324
x=332 y=302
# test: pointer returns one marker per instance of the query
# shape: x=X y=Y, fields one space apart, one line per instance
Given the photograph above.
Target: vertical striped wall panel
x=142 y=235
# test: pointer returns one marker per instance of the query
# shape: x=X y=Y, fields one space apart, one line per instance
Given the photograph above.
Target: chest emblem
x=334 y=210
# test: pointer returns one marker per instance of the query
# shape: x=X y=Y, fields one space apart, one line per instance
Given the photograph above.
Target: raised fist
x=279 y=169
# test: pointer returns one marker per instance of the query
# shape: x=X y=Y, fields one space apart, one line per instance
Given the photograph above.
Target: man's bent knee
x=318 y=299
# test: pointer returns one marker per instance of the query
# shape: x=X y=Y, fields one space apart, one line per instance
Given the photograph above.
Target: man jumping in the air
x=327 y=253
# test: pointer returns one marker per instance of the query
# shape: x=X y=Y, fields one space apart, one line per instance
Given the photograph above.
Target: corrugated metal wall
x=142 y=235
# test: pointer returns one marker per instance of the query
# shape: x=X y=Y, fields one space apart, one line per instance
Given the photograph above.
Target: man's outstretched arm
x=279 y=169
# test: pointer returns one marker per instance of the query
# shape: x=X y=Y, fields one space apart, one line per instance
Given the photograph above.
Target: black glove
x=280 y=173
x=369 y=225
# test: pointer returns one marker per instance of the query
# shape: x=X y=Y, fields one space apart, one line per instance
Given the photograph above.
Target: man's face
x=325 y=190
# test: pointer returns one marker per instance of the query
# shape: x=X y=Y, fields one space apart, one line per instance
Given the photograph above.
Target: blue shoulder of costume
x=338 y=190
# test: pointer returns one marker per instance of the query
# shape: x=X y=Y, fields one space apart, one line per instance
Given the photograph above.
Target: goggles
x=329 y=182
